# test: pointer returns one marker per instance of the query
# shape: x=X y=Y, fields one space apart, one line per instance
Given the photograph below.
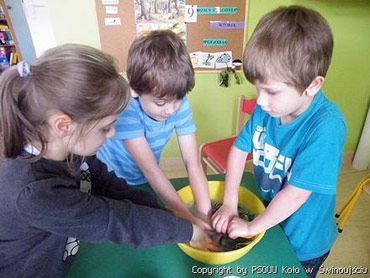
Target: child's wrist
x=231 y=204
x=254 y=229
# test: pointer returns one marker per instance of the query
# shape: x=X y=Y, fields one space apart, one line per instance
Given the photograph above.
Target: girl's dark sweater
x=41 y=207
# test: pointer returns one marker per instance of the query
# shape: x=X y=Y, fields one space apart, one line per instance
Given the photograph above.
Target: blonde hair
x=294 y=44
x=77 y=80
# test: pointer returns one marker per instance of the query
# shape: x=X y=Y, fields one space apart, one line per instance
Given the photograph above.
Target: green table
x=271 y=257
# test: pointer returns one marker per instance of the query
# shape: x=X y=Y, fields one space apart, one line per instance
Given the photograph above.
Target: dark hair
x=159 y=64
x=77 y=80
x=292 y=43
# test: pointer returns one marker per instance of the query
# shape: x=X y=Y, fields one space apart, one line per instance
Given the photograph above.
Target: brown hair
x=293 y=43
x=159 y=64
x=77 y=80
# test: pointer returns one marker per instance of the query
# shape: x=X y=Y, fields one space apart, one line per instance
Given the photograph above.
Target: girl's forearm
x=166 y=192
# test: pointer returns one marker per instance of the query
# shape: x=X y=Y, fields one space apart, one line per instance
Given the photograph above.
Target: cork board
x=116 y=39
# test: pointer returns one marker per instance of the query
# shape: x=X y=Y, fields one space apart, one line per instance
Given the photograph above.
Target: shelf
x=10 y=53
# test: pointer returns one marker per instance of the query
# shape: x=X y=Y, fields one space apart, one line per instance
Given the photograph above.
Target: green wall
x=347 y=82
x=214 y=107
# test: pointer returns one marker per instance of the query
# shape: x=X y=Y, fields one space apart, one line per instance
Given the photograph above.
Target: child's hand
x=222 y=217
x=202 y=223
x=201 y=240
x=239 y=228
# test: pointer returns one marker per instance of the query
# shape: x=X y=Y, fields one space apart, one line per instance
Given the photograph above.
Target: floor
x=352 y=247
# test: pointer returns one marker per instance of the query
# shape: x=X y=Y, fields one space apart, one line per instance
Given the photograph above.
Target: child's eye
x=160 y=103
x=105 y=130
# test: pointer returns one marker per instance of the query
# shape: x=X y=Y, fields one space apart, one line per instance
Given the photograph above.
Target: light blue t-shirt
x=135 y=123
x=305 y=153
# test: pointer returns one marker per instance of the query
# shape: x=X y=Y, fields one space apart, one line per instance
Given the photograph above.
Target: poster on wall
x=159 y=11
x=153 y=15
x=208 y=26
x=211 y=60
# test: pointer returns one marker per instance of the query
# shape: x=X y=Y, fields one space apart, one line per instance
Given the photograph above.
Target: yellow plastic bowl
x=216 y=190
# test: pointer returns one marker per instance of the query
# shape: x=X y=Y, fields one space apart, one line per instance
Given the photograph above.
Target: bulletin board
x=220 y=26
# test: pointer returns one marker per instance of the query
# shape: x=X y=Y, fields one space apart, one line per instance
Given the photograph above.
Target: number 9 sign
x=190 y=13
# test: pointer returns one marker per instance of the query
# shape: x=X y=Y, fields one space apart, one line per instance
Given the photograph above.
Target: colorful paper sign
x=111 y=9
x=226 y=24
x=217 y=10
x=211 y=60
x=203 y=60
x=112 y=21
x=223 y=59
x=110 y=2
x=215 y=42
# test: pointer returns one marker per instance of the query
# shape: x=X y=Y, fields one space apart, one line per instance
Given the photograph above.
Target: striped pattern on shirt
x=134 y=123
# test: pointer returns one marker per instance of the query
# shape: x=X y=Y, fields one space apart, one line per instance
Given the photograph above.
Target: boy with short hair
x=296 y=136
x=160 y=74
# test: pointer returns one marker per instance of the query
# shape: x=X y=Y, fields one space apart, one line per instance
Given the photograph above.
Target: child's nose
x=171 y=108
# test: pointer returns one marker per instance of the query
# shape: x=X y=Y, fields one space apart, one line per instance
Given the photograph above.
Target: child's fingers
x=213 y=247
x=214 y=220
x=233 y=234
x=202 y=224
x=215 y=216
x=232 y=231
x=224 y=226
x=203 y=216
x=208 y=227
x=205 y=226
x=219 y=224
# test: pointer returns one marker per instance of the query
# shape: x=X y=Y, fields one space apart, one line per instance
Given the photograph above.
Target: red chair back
x=248 y=105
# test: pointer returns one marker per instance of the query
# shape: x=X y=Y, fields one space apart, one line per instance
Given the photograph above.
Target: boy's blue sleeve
x=317 y=164
x=129 y=124
x=184 y=119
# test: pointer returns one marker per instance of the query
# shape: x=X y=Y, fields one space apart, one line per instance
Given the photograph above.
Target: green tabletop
x=271 y=257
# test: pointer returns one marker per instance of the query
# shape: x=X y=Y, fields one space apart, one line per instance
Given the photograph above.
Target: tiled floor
x=352 y=247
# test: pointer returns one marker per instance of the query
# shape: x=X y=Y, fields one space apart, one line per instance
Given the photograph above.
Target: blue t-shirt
x=135 y=123
x=305 y=153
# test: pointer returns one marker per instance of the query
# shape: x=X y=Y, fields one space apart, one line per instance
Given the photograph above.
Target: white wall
x=75 y=21
x=38 y=18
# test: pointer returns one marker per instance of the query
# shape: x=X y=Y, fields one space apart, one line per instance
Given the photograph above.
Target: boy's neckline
x=149 y=118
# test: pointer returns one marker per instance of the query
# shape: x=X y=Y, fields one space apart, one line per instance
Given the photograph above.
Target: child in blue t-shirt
x=296 y=136
x=160 y=74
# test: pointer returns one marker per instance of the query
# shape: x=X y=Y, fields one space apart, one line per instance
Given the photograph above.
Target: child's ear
x=315 y=86
x=62 y=125
x=133 y=93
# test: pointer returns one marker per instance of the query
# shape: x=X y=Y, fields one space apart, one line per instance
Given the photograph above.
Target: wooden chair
x=344 y=213
x=214 y=154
